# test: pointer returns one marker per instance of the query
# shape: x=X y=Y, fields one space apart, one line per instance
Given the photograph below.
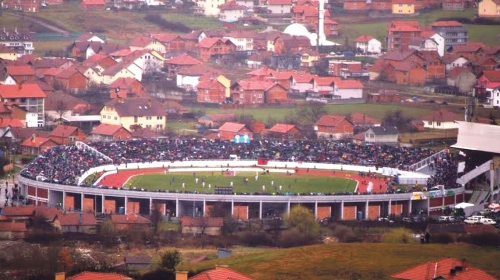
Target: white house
x=424 y=44
x=242 y=39
x=89 y=37
x=495 y=97
x=189 y=78
x=442 y=119
x=440 y=42
x=231 y=12
x=346 y=89
x=368 y=44
x=279 y=6
x=147 y=60
x=382 y=135
x=301 y=83
x=208 y=8
x=324 y=85
x=453 y=61
x=8 y=81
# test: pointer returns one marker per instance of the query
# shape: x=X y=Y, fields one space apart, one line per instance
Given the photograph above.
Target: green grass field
x=349 y=261
x=488 y=34
x=290 y=184
x=377 y=111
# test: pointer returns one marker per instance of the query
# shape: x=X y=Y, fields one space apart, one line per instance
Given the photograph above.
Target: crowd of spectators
x=445 y=171
x=64 y=164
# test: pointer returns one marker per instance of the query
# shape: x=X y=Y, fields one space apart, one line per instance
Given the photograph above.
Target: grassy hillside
x=489 y=34
x=345 y=261
x=377 y=111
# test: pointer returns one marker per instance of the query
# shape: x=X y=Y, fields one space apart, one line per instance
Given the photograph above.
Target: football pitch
x=242 y=182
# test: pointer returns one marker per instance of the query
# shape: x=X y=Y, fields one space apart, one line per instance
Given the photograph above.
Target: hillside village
x=103 y=90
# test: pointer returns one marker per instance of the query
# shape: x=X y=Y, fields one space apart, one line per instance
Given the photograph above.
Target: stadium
x=93 y=177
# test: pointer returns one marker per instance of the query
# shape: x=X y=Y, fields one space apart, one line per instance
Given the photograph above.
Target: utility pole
x=471 y=106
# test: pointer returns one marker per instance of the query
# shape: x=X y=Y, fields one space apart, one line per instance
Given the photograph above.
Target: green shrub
x=344 y=234
x=481 y=239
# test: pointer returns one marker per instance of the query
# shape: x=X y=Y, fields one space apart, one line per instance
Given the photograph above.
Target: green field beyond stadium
x=242 y=182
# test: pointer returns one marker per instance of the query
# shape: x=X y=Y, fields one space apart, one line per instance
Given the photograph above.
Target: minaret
x=321 y=23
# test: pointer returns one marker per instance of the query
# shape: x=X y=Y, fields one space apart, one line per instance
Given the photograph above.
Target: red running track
x=379 y=184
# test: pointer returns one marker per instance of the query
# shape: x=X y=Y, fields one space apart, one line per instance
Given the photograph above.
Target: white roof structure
x=297 y=29
x=478 y=137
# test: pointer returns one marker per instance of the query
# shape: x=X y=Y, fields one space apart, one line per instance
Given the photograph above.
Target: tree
x=302 y=219
x=65 y=260
x=309 y=114
x=397 y=119
x=155 y=217
x=170 y=259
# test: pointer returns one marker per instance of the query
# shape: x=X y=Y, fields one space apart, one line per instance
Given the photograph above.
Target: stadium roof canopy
x=478 y=137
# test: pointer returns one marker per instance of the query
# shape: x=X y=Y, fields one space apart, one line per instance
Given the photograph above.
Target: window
x=430 y=122
x=116 y=118
x=148 y=118
x=135 y=119
x=438 y=123
x=159 y=118
x=159 y=126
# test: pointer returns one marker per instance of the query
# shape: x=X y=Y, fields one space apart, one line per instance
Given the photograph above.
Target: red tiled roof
x=209 y=42
x=16 y=70
x=446 y=23
x=330 y=120
x=469 y=47
x=18 y=211
x=404 y=26
x=123 y=83
x=208 y=221
x=72 y=219
x=106 y=129
x=21 y=91
x=219 y=117
x=231 y=127
x=363 y=39
x=93 y=2
x=263 y=71
x=11 y=122
x=426 y=33
x=165 y=37
x=63 y=130
x=282 y=128
x=220 y=273
x=39 y=141
x=303 y=77
x=325 y=81
x=121 y=53
x=141 y=41
x=282 y=75
x=308 y=11
x=12 y=227
x=442 y=268
x=362 y=119
x=99 y=276
x=129 y=219
x=183 y=59
x=442 y=115
x=206 y=83
x=403 y=2
x=345 y=84
x=492 y=75
x=231 y=6
x=255 y=84
x=198 y=70
x=279 y=2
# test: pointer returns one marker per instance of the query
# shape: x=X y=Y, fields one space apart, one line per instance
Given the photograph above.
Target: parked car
x=446 y=219
x=387 y=220
x=487 y=221
x=472 y=220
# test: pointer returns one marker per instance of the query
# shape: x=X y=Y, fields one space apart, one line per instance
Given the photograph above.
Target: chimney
x=181 y=275
x=149 y=103
x=60 y=276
